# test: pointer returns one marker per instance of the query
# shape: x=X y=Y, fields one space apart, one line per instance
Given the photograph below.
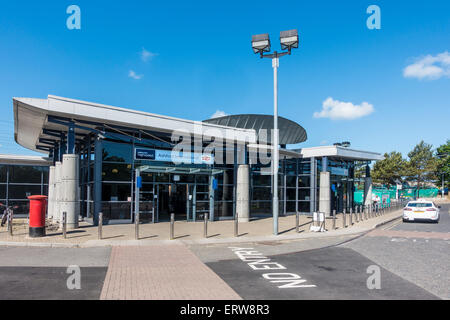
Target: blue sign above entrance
x=172 y=156
x=144 y=154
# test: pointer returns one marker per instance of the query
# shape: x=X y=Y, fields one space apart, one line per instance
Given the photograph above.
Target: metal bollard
x=64 y=224
x=297 y=218
x=205 y=225
x=351 y=216
x=10 y=223
x=172 y=222
x=100 y=225
x=344 y=223
x=334 y=219
x=136 y=226
x=236 y=225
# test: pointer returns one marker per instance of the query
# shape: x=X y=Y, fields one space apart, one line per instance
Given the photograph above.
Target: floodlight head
x=261 y=43
x=289 y=39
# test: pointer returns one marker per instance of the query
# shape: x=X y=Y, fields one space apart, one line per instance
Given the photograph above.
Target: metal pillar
x=97 y=179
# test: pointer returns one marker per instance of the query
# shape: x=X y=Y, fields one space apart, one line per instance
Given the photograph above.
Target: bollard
x=64 y=224
x=10 y=223
x=236 y=221
x=136 y=226
x=351 y=217
x=205 y=226
x=100 y=225
x=172 y=222
x=297 y=218
x=334 y=219
x=344 y=224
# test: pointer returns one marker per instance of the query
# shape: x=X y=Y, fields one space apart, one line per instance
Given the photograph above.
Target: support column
x=211 y=197
x=368 y=191
x=368 y=188
x=69 y=182
x=98 y=179
x=57 y=197
x=325 y=194
x=243 y=193
x=313 y=181
x=51 y=192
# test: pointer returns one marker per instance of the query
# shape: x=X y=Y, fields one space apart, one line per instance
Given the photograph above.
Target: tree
x=422 y=165
x=443 y=164
x=390 y=169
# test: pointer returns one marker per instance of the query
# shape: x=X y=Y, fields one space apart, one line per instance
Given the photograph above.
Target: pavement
x=409 y=264
x=191 y=232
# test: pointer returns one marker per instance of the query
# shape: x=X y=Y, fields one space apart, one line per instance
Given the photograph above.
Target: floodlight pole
x=275 y=56
x=275 y=203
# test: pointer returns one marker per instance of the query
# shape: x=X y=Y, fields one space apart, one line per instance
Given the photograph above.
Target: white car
x=421 y=210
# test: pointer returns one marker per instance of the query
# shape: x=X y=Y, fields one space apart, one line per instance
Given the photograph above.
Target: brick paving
x=161 y=272
x=409 y=234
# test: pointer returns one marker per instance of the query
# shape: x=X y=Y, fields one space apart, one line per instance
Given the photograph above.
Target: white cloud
x=147 y=55
x=429 y=67
x=218 y=114
x=338 y=110
x=134 y=75
x=323 y=142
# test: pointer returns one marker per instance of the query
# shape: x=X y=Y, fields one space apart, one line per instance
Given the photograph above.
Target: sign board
x=176 y=178
x=215 y=184
x=173 y=156
x=339 y=171
x=139 y=182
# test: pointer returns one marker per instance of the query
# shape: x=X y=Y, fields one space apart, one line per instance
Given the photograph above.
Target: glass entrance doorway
x=175 y=198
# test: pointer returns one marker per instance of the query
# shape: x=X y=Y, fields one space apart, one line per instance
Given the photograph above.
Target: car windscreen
x=419 y=205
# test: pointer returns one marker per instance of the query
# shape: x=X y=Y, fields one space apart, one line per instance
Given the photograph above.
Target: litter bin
x=38 y=206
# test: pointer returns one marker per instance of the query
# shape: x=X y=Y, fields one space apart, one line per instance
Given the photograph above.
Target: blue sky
x=200 y=60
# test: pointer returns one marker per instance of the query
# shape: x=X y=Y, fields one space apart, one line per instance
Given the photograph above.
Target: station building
x=99 y=157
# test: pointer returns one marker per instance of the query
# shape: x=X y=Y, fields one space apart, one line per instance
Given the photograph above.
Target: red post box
x=38 y=206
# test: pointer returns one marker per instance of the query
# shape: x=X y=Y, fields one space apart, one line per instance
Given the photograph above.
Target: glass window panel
x=224 y=193
x=303 y=194
x=261 y=180
x=3 y=170
x=260 y=207
x=202 y=188
x=304 y=181
x=116 y=191
x=23 y=207
x=223 y=209
x=116 y=210
x=117 y=152
x=23 y=191
x=303 y=206
x=25 y=174
x=290 y=206
x=2 y=191
x=290 y=194
x=202 y=179
x=162 y=177
x=116 y=172
x=290 y=181
x=261 y=193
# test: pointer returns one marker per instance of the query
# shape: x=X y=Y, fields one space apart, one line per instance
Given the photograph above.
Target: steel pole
x=275 y=65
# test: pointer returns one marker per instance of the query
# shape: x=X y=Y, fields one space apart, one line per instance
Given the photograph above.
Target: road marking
x=257 y=261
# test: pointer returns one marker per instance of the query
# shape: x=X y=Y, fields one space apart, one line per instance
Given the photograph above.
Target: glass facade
x=192 y=190
x=18 y=182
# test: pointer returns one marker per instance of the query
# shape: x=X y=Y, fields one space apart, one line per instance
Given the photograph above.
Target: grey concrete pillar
x=325 y=194
x=51 y=192
x=69 y=182
x=368 y=191
x=243 y=193
x=57 y=197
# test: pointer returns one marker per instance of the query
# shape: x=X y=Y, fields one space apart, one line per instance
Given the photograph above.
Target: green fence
x=389 y=194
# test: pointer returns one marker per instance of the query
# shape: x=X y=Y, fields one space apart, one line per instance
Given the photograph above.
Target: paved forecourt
x=161 y=272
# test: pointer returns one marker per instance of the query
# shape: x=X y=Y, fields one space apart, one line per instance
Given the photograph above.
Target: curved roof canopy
x=290 y=131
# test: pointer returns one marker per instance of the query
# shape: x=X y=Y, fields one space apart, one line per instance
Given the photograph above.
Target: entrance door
x=175 y=198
